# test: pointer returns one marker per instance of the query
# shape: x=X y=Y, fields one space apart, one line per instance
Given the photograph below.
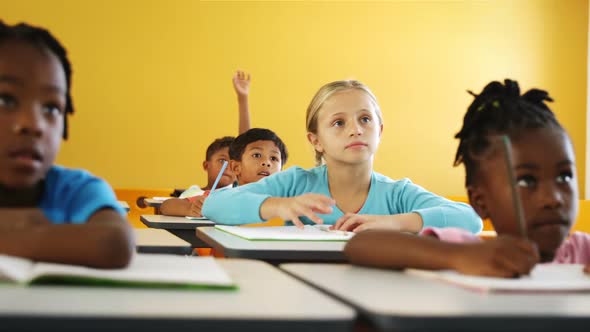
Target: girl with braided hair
x=544 y=167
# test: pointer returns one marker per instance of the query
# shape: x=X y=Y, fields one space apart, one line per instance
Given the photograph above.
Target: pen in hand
x=517 y=203
x=223 y=167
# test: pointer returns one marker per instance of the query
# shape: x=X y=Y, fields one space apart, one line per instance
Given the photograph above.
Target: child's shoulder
x=575 y=249
x=580 y=240
x=61 y=179
x=387 y=181
x=303 y=172
x=59 y=174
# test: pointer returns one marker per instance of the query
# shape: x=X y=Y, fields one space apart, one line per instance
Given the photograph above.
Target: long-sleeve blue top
x=241 y=205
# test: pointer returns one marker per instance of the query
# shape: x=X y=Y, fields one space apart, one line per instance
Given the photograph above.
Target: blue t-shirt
x=71 y=196
x=241 y=205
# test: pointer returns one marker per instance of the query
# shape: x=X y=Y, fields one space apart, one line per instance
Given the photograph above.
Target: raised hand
x=241 y=81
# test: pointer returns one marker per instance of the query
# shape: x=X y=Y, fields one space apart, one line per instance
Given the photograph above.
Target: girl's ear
x=205 y=165
x=313 y=139
x=236 y=167
x=477 y=200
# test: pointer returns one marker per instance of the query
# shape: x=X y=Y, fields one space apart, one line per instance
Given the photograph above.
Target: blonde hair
x=325 y=92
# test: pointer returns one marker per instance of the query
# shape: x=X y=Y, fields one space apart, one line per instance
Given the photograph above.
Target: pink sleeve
x=574 y=250
x=450 y=234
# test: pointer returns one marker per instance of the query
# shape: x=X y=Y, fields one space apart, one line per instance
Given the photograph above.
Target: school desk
x=155 y=203
x=392 y=300
x=180 y=226
x=159 y=241
x=229 y=245
x=267 y=300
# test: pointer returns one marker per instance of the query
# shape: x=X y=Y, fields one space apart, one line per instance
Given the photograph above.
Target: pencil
x=516 y=202
x=218 y=176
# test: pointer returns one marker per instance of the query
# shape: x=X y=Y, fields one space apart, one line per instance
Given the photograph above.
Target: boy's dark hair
x=218 y=144
x=499 y=110
x=43 y=40
x=237 y=148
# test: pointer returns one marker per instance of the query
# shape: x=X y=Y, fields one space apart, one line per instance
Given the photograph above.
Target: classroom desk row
x=390 y=300
x=202 y=234
x=267 y=299
x=296 y=297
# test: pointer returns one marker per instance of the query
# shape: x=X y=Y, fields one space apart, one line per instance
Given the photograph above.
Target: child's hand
x=405 y=222
x=196 y=207
x=353 y=222
x=241 y=81
x=587 y=268
x=293 y=207
x=506 y=257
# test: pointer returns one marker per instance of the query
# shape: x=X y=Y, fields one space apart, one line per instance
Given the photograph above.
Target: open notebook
x=287 y=233
x=145 y=270
x=543 y=278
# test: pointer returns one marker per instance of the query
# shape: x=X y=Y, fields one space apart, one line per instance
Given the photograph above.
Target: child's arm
x=104 y=241
x=291 y=208
x=414 y=208
x=284 y=194
x=501 y=257
x=182 y=207
x=241 y=82
x=403 y=222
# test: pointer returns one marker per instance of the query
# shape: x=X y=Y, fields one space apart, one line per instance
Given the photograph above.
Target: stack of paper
x=543 y=278
x=287 y=233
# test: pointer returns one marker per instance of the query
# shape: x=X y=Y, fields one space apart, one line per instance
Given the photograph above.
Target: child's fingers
x=323 y=209
x=297 y=222
x=360 y=228
x=341 y=221
x=312 y=216
x=530 y=248
x=516 y=263
x=587 y=268
x=351 y=223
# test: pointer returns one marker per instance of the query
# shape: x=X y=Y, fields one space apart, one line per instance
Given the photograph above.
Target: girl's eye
x=221 y=161
x=338 y=123
x=256 y=155
x=366 y=119
x=52 y=109
x=7 y=100
x=274 y=158
x=565 y=177
x=526 y=181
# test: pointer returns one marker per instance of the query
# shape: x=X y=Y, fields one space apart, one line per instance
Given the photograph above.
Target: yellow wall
x=152 y=78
